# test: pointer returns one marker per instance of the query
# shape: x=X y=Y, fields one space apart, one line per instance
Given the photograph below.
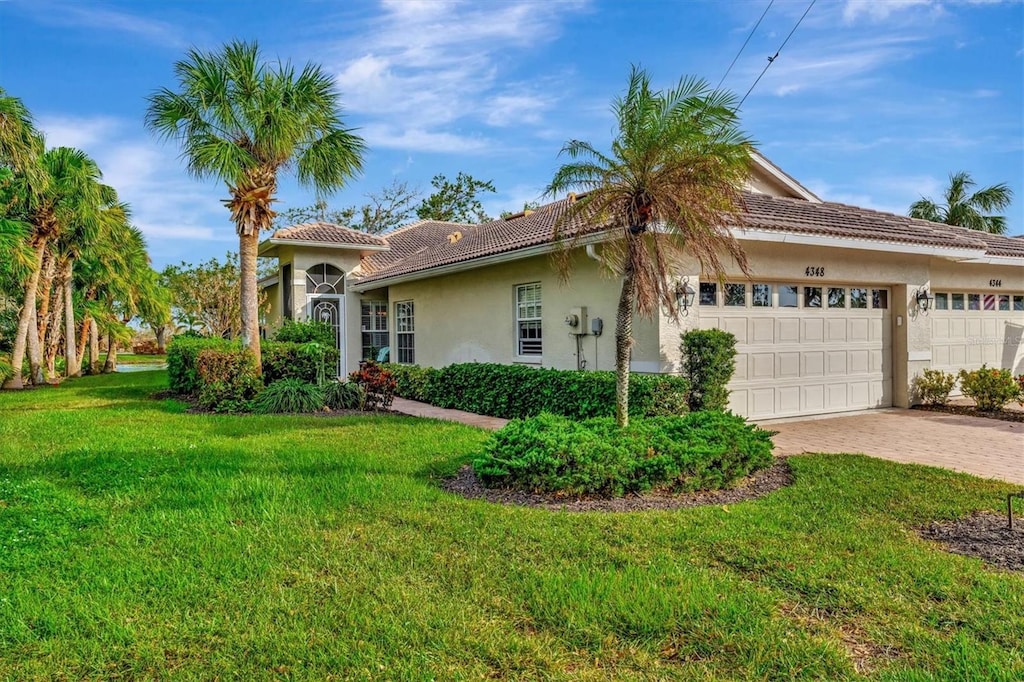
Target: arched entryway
x=325 y=302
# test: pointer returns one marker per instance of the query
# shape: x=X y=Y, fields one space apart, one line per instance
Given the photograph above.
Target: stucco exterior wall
x=470 y=316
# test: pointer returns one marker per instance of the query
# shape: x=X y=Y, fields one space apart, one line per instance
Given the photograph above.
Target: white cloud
x=67 y=131
x=421 y=66
x=390 y=136
x=83 y=15
x=879 y=10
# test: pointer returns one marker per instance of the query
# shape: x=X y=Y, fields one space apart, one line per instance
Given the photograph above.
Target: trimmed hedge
x=518 y=391
x=280 y=361
x=709 y=361
x=554 y=454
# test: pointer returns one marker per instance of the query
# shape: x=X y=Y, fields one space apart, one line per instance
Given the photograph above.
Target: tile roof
x=328 y=233
x=425 y=245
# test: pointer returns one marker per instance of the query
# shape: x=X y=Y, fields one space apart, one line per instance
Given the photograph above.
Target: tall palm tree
x=967 y=209
x=244 y=121
x=20 y=142
x=68 y=192
x=677 y=165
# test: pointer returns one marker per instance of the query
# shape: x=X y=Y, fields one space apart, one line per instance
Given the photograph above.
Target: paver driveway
x=983 y=447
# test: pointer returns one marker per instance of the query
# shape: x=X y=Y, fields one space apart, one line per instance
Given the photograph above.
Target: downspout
x=592 y=252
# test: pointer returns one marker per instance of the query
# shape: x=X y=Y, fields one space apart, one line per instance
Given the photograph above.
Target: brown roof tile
x=425 y=245
x=328 y=233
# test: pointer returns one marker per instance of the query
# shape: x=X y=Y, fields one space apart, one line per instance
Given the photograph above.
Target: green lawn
x=132 y=359
x=137 y=541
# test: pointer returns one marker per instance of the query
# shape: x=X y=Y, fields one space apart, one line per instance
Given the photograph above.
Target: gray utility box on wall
x=576 y=320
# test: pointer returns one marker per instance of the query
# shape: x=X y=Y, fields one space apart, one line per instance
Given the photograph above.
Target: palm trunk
x=72 y=358
x=25 y=318
x=53 y=330
x=94 y=347
x=247 y=247
x=35 y=351
x=111 y=363
x=83 y=338
x=46 y=291
x=624 y=343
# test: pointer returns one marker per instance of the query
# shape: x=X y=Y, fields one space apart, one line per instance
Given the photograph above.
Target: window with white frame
x=405 y=333
x=374 y=327
x=528 y=320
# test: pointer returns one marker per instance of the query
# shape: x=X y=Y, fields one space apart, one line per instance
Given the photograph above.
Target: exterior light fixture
x=685 y=295
x=924 y=299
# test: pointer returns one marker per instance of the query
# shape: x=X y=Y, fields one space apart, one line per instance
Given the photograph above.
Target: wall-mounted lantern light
x=924 y=299
x=685 y=295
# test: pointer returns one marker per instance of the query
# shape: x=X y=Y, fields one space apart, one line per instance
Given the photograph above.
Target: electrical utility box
x=576 y=320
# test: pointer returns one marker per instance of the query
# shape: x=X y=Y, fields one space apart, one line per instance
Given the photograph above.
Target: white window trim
x=411 y=332
x=531 y=359
x=375 y=306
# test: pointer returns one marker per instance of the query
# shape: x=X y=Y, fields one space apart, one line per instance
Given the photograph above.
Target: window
x=958 y=301
x=708 y=293
x=736 y=295
x=974 y=302
x=858 y=299
x=942 y=301
x=324 y=279
x=405 y=333
x=787 y=296
x=1018 y=302
x=374 y=325
x=762 y=296
x=836 y=297
x=880 y=299
x=528 y=320
x=1004 y=302
x=286 y=291
x=989 y=301
x=812 y=297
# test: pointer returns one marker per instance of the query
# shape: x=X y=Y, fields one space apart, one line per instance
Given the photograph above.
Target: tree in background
x=965 y=208
x=244 y=121
x=206 y=297
x=527 y=206
x=456 y=201
x=678 y=161
x=387 y=209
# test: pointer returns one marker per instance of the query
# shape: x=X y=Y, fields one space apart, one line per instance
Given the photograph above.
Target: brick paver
x=983 y=447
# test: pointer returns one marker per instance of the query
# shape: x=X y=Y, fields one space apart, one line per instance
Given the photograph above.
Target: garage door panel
x=762 y=366
x=940 y=328
x=787 y=400
x=940 y=355
x=836 y=363
x=762 y=330
x=787 y=365
x=737 y=327
x=860 y=394
x=835 y=330
x=957 y=328
x=975 y=353
x=814 y=363
x=813 y=398
x=787 y=330
x=835 y=396
x=762 y=402
x=814 y=330
x=859 y=362
x=974 y=327
x=859 y=329
x=878 y=361
x=957 y=354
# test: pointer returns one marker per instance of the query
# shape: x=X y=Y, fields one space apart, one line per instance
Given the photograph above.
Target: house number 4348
x=995 y=282
x=814 y=271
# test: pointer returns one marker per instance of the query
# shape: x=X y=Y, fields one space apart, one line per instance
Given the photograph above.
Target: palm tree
x=677 y=165
x=20 y=142
x=67 y=192
x=244 y=121
x=965 y=209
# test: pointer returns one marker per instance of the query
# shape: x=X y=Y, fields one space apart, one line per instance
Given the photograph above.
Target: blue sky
x=872 y=102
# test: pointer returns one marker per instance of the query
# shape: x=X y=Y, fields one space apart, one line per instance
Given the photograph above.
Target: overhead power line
x=744 y=46
x=771 y=60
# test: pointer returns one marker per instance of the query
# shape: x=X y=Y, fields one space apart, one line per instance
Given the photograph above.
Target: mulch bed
x=984 y=535
x=778 y=475
x=971 y=411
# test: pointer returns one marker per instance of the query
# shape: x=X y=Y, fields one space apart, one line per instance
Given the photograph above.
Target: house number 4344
x=814 y=271
x=995 y=282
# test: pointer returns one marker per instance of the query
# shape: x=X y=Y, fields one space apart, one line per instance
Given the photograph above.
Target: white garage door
x=804 y=350
x=974 y=328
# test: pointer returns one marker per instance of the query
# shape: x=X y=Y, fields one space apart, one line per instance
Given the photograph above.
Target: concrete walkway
x=984 y=447
x=417 y=409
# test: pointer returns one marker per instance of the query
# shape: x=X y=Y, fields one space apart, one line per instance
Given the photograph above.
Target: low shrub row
x=281 y=360
x=518 y=391
x=555 y=454
x=990 y=388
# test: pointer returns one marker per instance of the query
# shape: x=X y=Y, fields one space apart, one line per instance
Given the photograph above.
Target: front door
x=330 y=308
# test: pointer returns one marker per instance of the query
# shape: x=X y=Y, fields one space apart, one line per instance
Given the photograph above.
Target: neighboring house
x=829 y=321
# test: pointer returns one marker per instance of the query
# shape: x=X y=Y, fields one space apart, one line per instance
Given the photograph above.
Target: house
x=845 y=305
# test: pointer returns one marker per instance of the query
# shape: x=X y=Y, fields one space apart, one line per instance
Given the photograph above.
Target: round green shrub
x=554 y=454
x=289 y=396
x=299 y=331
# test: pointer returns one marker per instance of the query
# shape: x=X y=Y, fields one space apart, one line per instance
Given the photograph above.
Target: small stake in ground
x=1009 y=506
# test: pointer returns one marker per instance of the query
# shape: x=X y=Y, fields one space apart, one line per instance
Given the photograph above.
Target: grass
x=138 y=541
x=132 y=359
